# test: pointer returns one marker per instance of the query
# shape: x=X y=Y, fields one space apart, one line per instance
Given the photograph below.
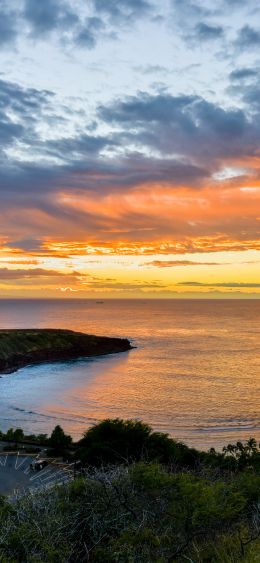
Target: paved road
x=16 y=475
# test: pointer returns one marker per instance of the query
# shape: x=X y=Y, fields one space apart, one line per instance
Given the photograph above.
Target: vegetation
x=141 y=497
x=59 y=441
x=27 y=346
x=118 y=441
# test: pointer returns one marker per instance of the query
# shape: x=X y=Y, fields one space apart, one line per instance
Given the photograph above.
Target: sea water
x=194 y=371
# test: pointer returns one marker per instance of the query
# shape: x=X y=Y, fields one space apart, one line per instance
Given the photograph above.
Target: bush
x=139 y=513
x=125 y=441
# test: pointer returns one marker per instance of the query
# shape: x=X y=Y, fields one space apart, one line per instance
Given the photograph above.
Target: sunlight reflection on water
x=195 y=372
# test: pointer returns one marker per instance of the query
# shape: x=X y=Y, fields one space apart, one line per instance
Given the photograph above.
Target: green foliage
x=144 y=498
x=17 y=435
x=135 y=513
x=241 y=455
x=124 y=441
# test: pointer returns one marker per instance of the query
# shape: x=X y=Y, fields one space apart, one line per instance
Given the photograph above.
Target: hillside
x=19 y=348
x=132 y=496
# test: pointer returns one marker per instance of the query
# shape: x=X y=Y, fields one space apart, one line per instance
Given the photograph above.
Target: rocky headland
x=23 y=347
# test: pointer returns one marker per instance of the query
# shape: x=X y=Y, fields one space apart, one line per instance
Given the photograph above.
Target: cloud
x=85 y=24
x=205 y=32
x=155 y=177
x=152 y=69
x=80 y=24
x=18 y=274
x=197 y=22
x=89 y=32
x=8 y=30
x=242 y=74
x=143 y=174
x=44 y=17
x=123 y=10
x=189 y=11
x=68 y=290
x=27 y=245
x=196 y=132
x=176 y=263
x=23 y=262
x=247 y=38
x=72 y=26
x=132 y=246
x=20 y=110
x=188 y=126
x=240 y=285
x=244 y=85
x=200 y=21
x=123 y=286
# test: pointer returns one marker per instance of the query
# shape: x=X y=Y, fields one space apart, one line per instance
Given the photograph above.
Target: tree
x=10 y=434
x=59 y=440
x=18 y=435
x=124 y=441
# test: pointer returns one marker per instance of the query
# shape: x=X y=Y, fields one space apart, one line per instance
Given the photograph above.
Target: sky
x=129 y=149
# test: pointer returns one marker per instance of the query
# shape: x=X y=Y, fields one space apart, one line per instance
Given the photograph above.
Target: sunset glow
x=129 y=170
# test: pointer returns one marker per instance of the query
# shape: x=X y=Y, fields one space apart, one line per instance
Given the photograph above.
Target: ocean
x=194 y=371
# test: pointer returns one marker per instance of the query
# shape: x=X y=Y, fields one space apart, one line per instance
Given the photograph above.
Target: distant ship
x=100 y=302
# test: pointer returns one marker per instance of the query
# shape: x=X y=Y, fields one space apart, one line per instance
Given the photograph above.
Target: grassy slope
x=20 y=347
x=138 y=514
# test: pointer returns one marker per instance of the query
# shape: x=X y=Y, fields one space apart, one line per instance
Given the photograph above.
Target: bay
x=195 y=371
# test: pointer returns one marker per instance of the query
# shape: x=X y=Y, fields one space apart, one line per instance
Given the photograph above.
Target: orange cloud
x=176 y=263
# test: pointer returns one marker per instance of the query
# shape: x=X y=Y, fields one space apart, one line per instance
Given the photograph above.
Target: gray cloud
x=8 y=30
x=244 y=84
x=82 y=24
x=189 y=11
x=71 y=148
x=44 y=17
x=30 y=244
x=123 y=10
x=88 y=33
x=242 y=74
x=17 y=274
x=25 y=105
x=187 y=125
x=76 y=159
x=198 y=133
x=247 y=38
x=23 y=100
x=77 y=25
x=200 y=21
x=205 y=32
x=196 y=10
x=196 y=22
